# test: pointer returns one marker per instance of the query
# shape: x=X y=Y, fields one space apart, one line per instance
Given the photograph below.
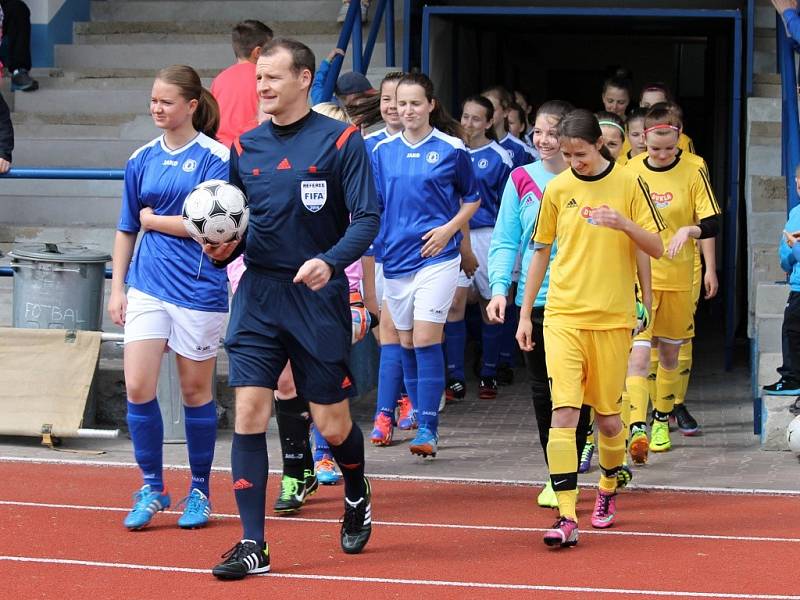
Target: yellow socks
x=668 y=384
x=612 y=453
x=639 y=392
x=685 y=369
x=562 y=456
x=652 y=373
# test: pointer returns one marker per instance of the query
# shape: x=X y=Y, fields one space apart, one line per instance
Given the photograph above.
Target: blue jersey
x=519 y=209
x=370 y=142
x=492 y=166
x=521 y=153
x=420 y=186
x=173 y=269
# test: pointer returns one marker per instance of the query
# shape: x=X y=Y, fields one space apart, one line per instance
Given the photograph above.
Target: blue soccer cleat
x=196 y=510
x=425 y=444
x=147 y=502
x=326 y=471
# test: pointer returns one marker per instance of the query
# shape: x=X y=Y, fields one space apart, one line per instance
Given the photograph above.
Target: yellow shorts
x=672 y=316
x=587 y=367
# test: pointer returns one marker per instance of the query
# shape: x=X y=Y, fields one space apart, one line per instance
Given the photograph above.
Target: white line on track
x=417 y=582
x=432 y=479
x=691 y=536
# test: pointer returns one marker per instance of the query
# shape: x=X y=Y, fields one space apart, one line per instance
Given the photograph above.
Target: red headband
x=661 y=126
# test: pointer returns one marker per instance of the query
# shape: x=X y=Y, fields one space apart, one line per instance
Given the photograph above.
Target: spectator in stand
x=6 y=136
x=791 y=18
x=235 y=87
x=317 y=95
x=15 y=49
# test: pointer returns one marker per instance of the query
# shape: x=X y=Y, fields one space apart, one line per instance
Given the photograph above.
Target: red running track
x=437 y=540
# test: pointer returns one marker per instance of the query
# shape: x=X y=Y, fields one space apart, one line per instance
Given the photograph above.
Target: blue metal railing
x=351 y=28
x=61 y=173
x=750 y=24
x=790 y=130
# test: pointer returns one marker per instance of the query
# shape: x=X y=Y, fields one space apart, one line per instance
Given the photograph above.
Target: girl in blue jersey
x=176 y=298
x=492 y=166
x=516 y=219
x=428 y=193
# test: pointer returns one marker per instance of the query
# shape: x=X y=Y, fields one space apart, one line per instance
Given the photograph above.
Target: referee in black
x=313 y=211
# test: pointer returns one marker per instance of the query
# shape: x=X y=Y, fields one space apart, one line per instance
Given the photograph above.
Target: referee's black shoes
x=357 y=522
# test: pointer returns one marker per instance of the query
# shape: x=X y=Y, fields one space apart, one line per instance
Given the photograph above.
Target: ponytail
x=186 y=79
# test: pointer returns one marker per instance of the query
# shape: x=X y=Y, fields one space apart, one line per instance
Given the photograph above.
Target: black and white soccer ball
x=793 y=435
x=215 y=212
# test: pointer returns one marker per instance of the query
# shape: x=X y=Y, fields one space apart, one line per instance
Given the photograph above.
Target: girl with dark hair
x=617 y=92
x=176 y=298
x=501 y=99
x=605 y=222
x=634 y=140
x=613 y=128
x=428 y=193
x=492 y=166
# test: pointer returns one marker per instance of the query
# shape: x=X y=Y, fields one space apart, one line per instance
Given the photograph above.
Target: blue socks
x=321 y=446
x=249 y=467
x=410 y=374
x=430 y=385
x=201 y=435
x=390 y=378
x=455 y=340
x=492 y=334
x=147 y=434
x=349 y=456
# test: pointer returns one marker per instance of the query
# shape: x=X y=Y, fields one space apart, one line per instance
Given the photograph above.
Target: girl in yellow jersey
x=604 y=220
x=658 y=93
x=679 y=187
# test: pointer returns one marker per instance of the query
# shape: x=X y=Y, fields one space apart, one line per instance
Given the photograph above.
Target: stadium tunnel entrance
x=566 y=53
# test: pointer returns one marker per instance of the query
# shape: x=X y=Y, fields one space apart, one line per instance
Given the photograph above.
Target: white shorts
x=379 y=283
x=481 y=240
x=423 y=296
x=193 y=334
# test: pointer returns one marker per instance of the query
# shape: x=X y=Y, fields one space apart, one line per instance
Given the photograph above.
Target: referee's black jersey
x=311 y=194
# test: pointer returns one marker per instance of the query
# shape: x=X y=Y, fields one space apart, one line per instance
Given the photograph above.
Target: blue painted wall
x=44 y=36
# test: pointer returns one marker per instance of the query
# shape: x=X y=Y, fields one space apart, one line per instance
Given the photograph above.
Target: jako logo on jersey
x=190 y=165
x=413 y=155
x=169 y=163
x=586 y=213
x=432 y=157
x=314 y=194
x=482 y=163
x=661 y=200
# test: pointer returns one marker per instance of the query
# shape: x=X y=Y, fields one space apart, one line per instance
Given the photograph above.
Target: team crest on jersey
x=314 y=194
x=432 y=157
x=661 y=200
x=483 y=163
x=586 y=213
x=189 y=165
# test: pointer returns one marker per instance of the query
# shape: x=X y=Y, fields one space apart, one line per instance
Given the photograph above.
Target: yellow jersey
x=683 y=195
x=593 y=275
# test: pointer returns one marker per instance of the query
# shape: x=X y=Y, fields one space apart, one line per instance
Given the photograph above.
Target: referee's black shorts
x=273 y=320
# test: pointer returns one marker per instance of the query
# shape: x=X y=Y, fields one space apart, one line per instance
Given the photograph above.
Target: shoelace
x=193 y=504
x=353 y=517
x=288 y=487
x=326 y=464
x=587 y=452
x=559 y=522
x=142 y=499
x=239 y=551
x=384 y=421
x=601 y=505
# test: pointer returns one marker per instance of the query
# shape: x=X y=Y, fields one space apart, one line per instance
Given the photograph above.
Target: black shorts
x=274 y=320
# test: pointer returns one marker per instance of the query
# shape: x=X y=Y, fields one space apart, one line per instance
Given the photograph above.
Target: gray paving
x=497 y=440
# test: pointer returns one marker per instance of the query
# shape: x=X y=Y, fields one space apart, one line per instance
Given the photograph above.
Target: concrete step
x=85 y=30
x=764 y=61
x=768 y=331
x=766 y=193
x=775 y=418
x=74 y=153
x=768 y=363
x=157 y=55
x=766 y=227
x=765 y=16
x=764 y=110
x=206 y=10
x=763 y=266
x=763 y=160
x=764 y=133
x=69 y=126
x=85 y=101
x=771 y=299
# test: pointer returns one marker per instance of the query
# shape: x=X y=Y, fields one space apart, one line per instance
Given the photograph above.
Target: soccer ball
x=215 y=212
x=793 y=435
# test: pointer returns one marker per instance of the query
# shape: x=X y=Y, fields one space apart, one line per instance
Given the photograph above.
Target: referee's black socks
x=350 y=457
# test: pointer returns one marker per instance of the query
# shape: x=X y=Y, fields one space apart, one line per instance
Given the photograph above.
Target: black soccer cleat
x=687 y=424
x=245 y=558
x=357 y=522
x=455 y=390
x=295 y=492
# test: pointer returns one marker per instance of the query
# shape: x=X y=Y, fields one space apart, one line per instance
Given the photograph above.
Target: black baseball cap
x=354 y=83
